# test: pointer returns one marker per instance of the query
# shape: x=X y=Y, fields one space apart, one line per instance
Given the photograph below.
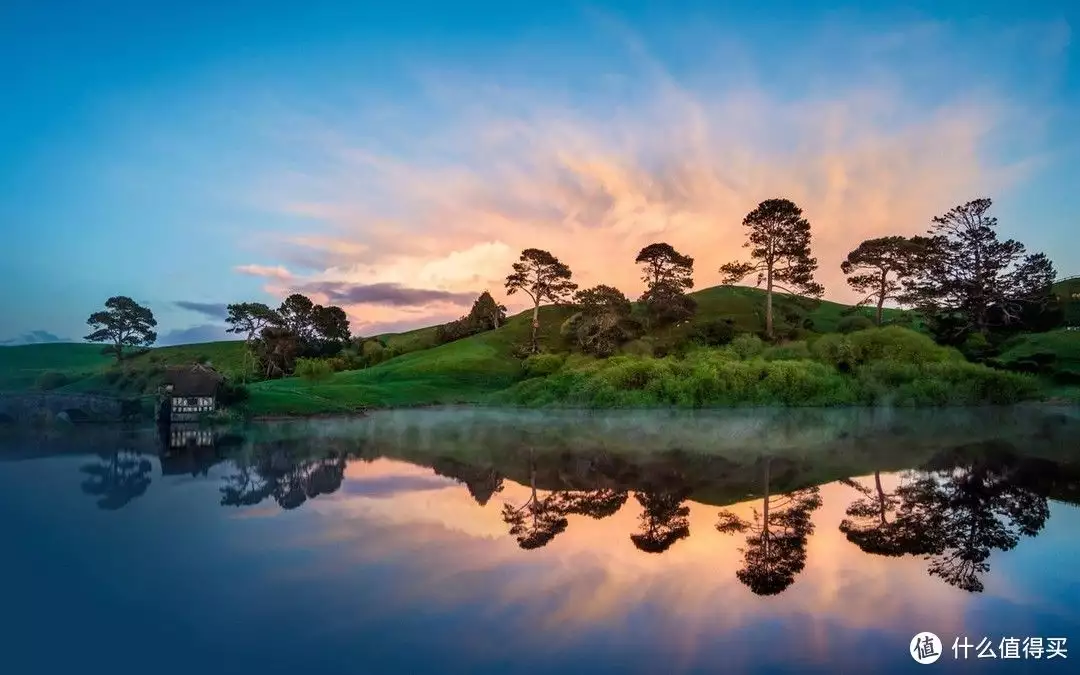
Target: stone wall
x=47 y=407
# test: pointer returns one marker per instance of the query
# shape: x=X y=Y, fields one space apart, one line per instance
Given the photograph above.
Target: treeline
x=966 y=283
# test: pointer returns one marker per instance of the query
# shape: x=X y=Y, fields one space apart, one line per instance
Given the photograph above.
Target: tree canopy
x=124 y=323
x=541 y=276
x=878 y=267
x=966 y=274
x=779 y=242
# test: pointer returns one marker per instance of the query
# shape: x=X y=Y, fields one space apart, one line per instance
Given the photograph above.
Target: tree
x=779 y=243
x=667 y=274
x=603 y=321
x=878 y=267
x=487 y=313
x=297 y=314
x=665 y=519
x=541 y=276
x=248 y=319
x=662 y=263
x=277 y=349
x=963 y=271
x=775 y=550
x=124 y=323
x=330 y=326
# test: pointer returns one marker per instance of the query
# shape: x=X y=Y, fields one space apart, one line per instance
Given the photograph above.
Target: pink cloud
x=517 y=168
x=278 y=272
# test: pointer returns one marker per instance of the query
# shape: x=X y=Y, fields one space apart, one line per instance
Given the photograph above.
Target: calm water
x=457 y=541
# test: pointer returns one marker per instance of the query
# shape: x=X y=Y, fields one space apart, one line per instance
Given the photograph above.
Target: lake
x=487 y=541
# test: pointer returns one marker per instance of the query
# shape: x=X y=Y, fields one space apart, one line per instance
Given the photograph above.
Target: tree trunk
x=881 y=297
x=768 y=304
x=535 y=326
x=881 y=496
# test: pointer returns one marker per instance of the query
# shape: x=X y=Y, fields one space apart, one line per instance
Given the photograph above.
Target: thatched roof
x=197 y=380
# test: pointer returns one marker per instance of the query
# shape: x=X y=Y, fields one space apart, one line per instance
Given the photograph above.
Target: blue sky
x=394 y=158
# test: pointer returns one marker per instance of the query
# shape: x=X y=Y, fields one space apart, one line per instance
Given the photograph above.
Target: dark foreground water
x=457 y=541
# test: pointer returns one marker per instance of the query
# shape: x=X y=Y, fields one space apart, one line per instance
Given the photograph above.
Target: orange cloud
x=508 y=169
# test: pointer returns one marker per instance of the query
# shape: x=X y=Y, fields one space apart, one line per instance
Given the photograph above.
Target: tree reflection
x=957 y=517
x=664 y=520
x=119 y=478
x=775 y=550
x=481 y=482
x=277 y=473
x=598 y=504
x=539 y=520
x=875 y=527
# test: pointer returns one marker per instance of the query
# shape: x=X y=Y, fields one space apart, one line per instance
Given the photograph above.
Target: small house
x=191 y=391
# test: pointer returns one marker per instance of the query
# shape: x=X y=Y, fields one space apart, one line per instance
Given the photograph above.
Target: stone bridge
x=24 y=408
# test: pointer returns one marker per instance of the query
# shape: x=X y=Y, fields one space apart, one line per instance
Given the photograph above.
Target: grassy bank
x=893 y=366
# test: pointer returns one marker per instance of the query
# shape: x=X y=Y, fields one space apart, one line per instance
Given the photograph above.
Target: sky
x=395 y=158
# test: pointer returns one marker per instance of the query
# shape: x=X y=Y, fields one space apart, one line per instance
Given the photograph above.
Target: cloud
x=388 y=293
x=278 y=272
x=213 y=310
x=194 y=334
x=648 y=156
x=34 y=337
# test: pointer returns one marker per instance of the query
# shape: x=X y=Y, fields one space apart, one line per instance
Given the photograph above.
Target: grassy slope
x=469 y=370
x=1062 y=345
x=87 y=370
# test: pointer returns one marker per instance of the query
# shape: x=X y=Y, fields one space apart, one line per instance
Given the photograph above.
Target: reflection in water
x=775 y=550
x=953 y=506
x=539 y=520
x=120 y=477
x=665 y=519
x=282 y=471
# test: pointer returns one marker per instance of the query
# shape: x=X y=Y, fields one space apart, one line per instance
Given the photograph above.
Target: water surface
x=473 y=541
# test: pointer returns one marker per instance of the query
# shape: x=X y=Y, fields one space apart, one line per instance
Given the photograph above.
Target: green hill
x=467 y=370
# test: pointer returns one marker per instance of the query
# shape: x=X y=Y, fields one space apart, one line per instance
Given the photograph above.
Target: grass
x=82 y=368
x=1055 y=354
x=486 y=368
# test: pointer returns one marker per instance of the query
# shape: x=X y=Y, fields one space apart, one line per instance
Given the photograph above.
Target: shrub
x=894 y=343
x=539 y=365
x=748 y=346
x=851 y=324
x=111 y=376
x=788 y=351
x=977 y=347
x=716 y=333
x=313 y=369
x=232 y=393
x=50 y=380
x=835 y=350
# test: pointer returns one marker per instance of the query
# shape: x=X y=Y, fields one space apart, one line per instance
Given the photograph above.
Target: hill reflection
x=950 y=490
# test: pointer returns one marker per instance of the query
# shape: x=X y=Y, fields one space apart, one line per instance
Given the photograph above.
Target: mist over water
x=483 y=540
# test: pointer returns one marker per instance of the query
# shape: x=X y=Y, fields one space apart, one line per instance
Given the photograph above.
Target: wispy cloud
x=271 y=272
x=213 y=310
x=646 y=156
x=194 y=335
x=34 y=337
x=391 y=294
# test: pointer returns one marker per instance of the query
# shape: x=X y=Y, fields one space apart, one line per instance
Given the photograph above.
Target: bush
x=111 y=376
x=789 y=351
x=835 y=350
x=977 y=348
x=716 y=333
x=313 y=369
x=851 y=324
x=894 y=343
x=50 y=380
x=748 y=346
x=539 y=365
x=232 y=393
